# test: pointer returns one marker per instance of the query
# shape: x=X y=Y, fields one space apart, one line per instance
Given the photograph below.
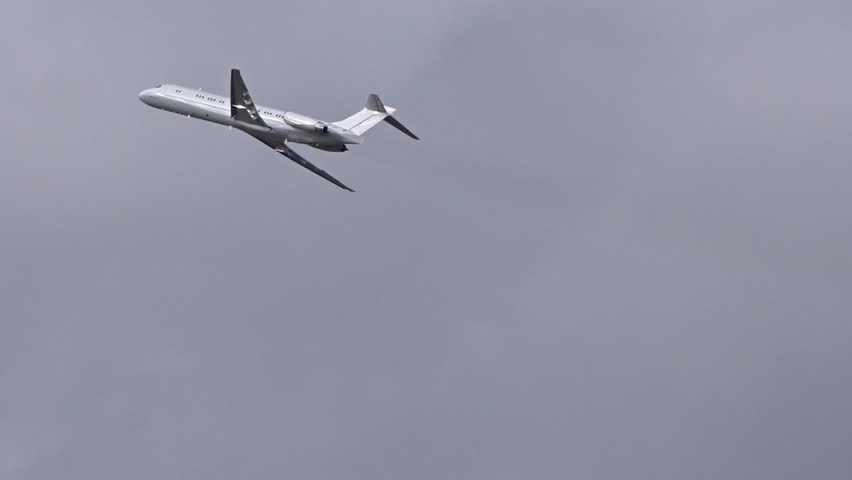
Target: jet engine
x=307 y=124
x=332 y=147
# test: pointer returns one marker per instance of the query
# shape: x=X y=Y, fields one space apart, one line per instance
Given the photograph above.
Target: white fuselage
x=217 y=109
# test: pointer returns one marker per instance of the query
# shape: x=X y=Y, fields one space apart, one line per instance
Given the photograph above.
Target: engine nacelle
x=307 y=124
x=333 y=147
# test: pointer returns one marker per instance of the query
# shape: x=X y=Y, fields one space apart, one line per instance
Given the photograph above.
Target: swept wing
x=244 y=111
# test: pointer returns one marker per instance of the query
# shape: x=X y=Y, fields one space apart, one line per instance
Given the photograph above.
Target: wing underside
x=288 y=152
x=244 y=111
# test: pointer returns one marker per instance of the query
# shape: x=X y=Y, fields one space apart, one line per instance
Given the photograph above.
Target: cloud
x=620 y=248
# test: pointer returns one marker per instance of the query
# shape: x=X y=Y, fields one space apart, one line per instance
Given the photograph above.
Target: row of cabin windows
x=222 y=101
x=206 y=98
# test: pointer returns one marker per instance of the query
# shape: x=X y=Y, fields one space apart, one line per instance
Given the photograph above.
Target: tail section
x=370 y=116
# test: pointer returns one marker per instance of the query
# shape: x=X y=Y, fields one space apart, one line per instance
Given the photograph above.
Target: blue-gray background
x=623 y=248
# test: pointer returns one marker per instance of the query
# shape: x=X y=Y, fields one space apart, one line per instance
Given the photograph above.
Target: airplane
x=273 y=127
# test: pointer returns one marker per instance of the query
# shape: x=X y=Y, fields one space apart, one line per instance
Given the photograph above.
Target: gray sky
x=621 y=250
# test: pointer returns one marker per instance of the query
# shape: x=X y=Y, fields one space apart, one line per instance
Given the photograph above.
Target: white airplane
x=273 y=127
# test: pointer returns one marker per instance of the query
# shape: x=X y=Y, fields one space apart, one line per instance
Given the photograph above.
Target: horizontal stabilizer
x=371 y=115
x=399 y=126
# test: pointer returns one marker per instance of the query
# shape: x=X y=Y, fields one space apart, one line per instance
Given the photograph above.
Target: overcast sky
x=623 y=248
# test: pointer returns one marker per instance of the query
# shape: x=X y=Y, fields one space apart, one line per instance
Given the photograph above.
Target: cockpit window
x=158 y=86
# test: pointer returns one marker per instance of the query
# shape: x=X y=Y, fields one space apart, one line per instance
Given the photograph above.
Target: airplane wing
x=244 y=110
x=242 y=106
x=288 y=152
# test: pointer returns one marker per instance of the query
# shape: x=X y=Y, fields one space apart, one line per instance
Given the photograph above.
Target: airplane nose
x=147 y=96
